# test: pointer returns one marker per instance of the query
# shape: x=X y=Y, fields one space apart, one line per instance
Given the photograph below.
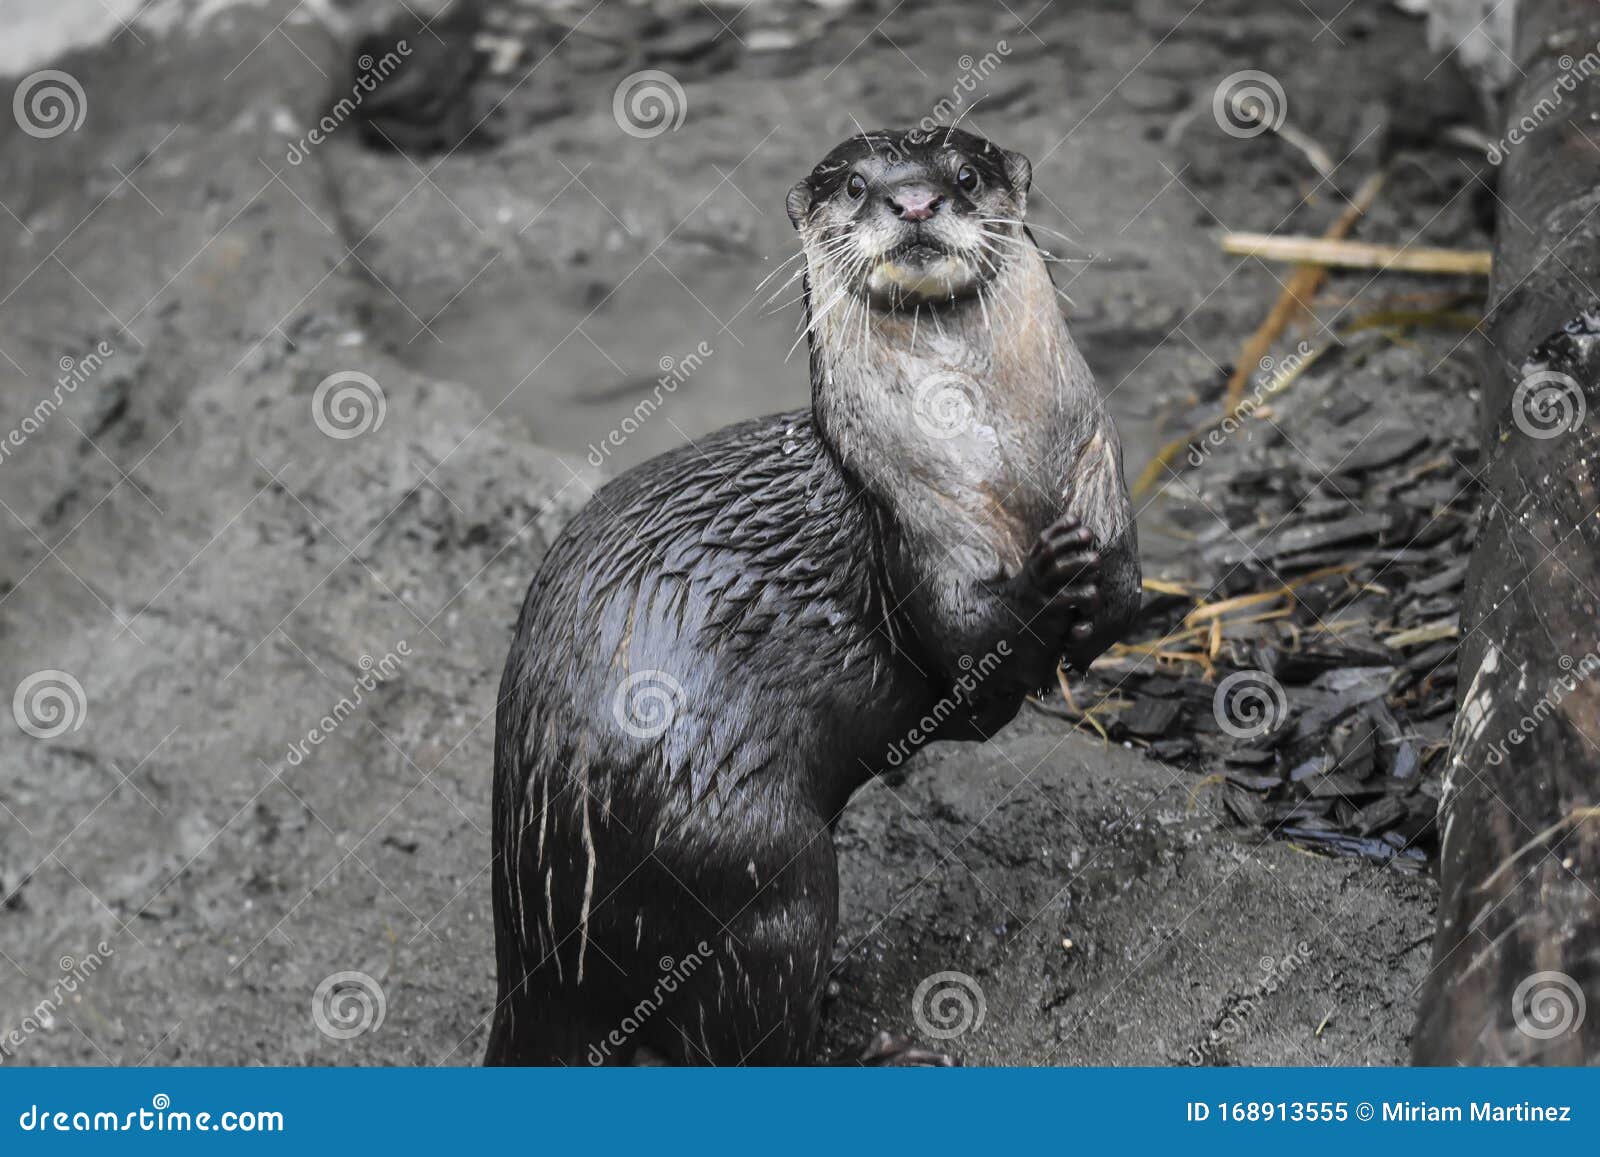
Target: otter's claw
x=892 y=1049
x=1064 y=565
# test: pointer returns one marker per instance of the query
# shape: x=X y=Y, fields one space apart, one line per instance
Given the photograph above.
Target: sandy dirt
x=216 y=573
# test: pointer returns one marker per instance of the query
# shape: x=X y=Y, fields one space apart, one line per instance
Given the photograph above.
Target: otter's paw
x=893 y=1049
x=1063 y=570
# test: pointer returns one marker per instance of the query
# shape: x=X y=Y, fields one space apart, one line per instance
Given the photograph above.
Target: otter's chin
x=922 y=278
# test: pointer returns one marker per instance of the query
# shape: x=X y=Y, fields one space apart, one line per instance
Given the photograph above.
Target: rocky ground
x=204 y=556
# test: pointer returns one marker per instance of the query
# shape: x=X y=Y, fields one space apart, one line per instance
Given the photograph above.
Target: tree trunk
x=1516 y=959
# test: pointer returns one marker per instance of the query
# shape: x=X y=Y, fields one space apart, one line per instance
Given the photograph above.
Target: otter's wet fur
x=732 y=638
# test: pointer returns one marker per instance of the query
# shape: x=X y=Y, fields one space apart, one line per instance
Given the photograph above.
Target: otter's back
x=720 y=597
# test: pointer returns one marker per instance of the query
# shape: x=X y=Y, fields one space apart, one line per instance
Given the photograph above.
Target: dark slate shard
x=1347 y=845
x=1160 y=687
x=1406 y=761
x=1379 y=815
x=1384 y=448
x=1246 y=807
x=1320 y=535
x=1251 y=757
x=1388 y=729
x=1288 y=811
x=1448 y=579
x=1151 y=718
x=1370 y=682
x=1342 y=785
x=1314 y=766
x=1354 y=746
x=1254 y=780
x=1173 y=749
x=1431 y=656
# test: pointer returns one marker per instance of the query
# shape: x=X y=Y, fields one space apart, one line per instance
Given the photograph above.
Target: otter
x=732 y=638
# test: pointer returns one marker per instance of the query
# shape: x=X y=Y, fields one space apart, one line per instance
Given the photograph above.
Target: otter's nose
x=915 y=203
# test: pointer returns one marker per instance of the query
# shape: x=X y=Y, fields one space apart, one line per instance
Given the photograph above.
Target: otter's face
x=910 y=217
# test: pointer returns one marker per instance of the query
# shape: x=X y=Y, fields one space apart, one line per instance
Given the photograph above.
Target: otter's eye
x=967 y=179
x=856 y=186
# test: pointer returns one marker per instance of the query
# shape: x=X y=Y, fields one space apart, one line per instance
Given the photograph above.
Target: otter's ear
x=1019 y=171
x=798 y=203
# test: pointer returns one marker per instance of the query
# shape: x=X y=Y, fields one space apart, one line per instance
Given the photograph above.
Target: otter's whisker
x=1037 y=228
x=777 y=269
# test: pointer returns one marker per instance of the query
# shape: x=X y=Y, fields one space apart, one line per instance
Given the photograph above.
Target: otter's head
x=907 y=217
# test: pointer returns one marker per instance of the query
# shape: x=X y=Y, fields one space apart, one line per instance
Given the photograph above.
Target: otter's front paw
x=1063 y=571
x=896 y=1050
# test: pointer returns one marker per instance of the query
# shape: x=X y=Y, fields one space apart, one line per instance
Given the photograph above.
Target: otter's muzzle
x=914 y=202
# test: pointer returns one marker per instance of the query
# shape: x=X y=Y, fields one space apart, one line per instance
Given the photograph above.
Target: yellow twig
x=1327 y=251
x=1212 y=610
x=1298 y=293
x=1427 y=633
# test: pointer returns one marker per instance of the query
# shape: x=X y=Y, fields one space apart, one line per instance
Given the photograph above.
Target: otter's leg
x=760 y=918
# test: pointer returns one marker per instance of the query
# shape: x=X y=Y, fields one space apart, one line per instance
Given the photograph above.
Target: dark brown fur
x=804 y=590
